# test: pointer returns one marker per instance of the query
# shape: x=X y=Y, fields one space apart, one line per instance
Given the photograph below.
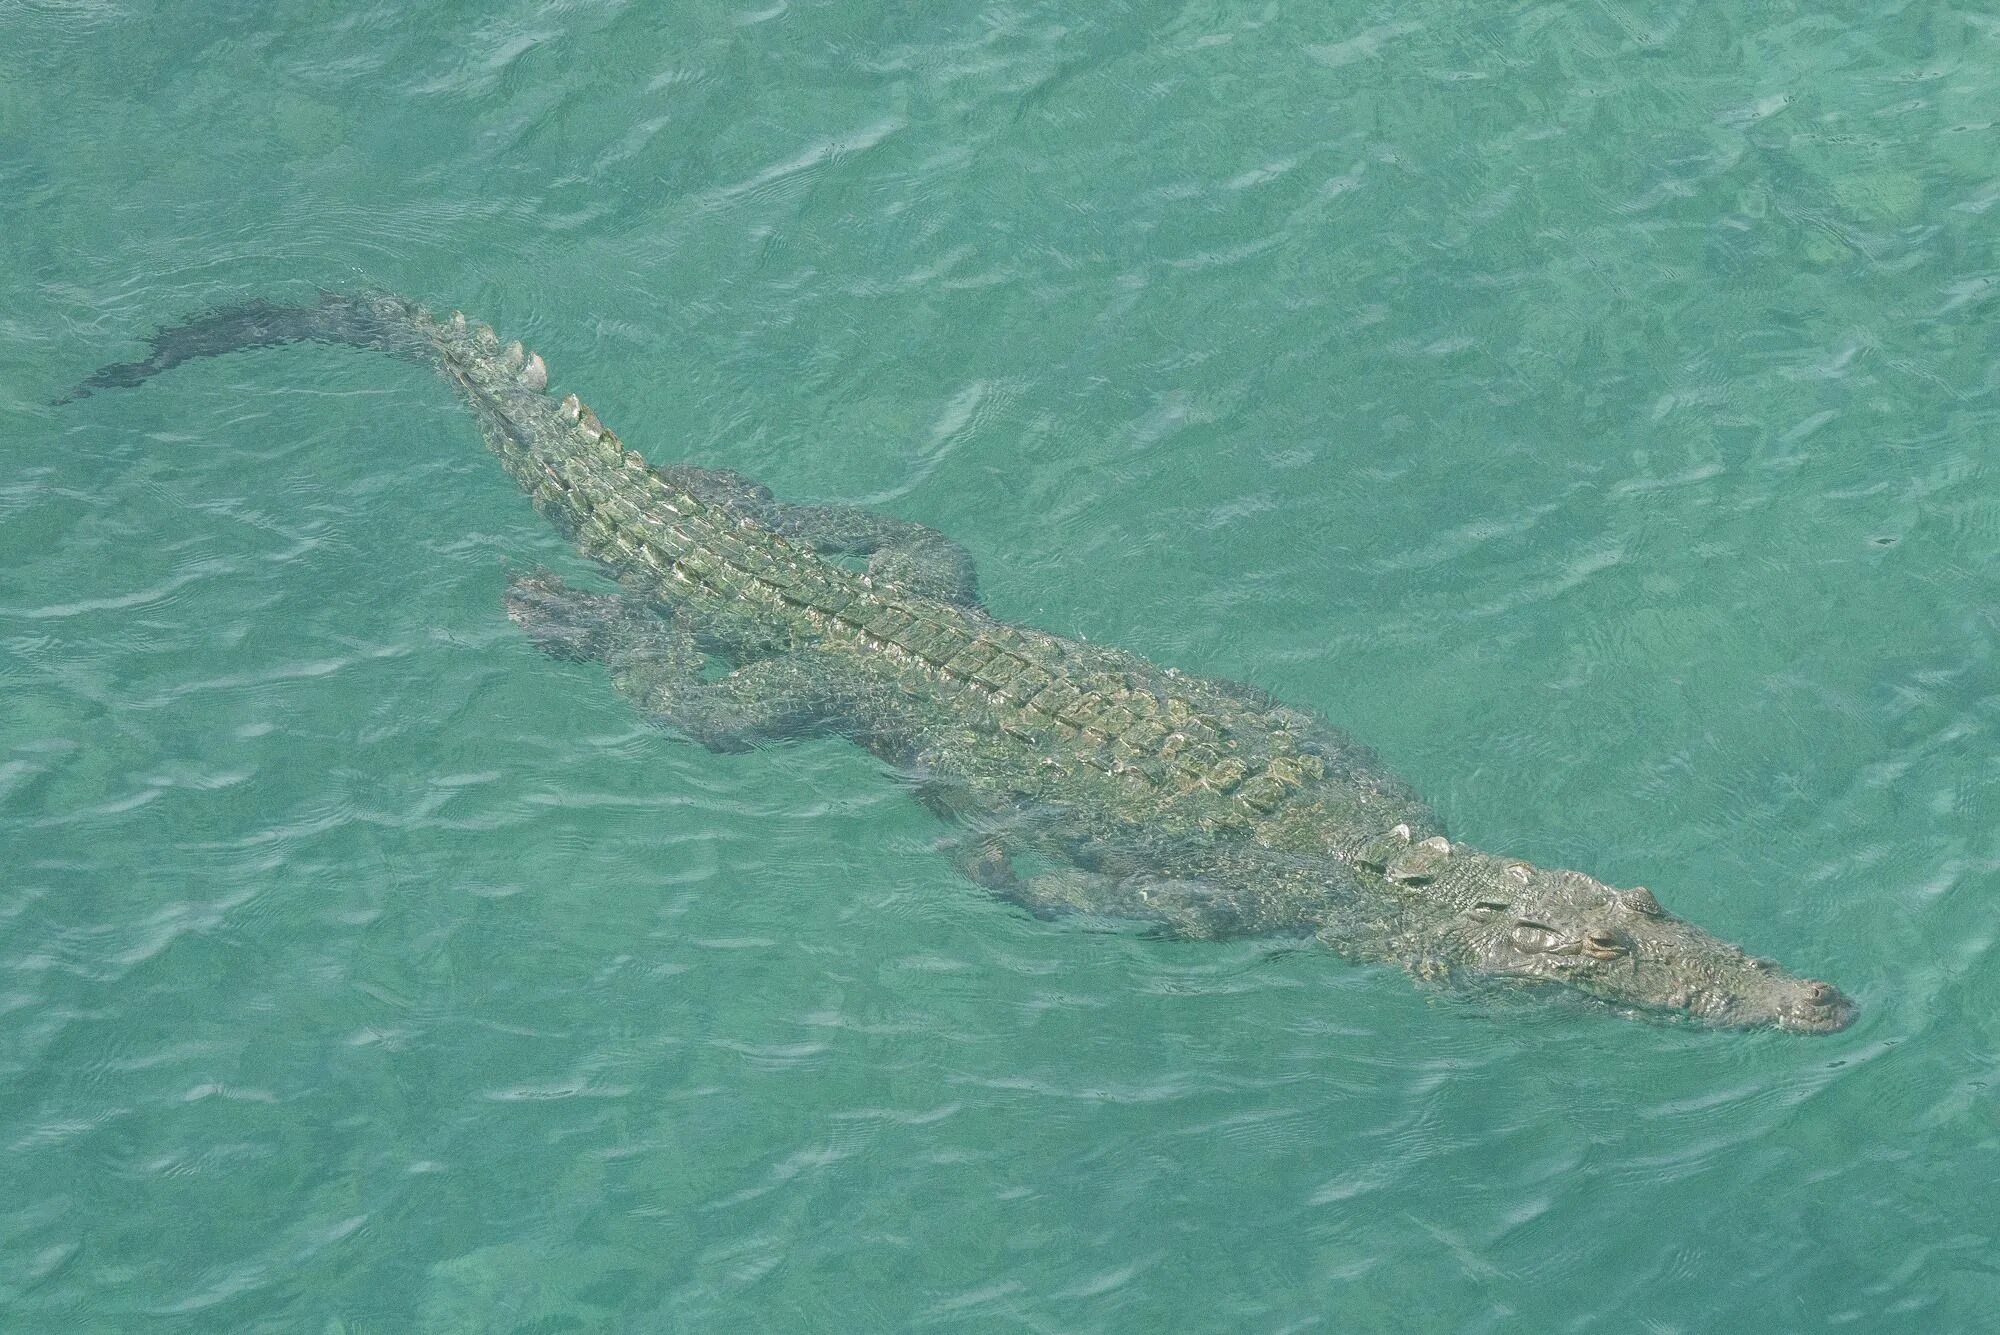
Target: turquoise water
x=1589 y=406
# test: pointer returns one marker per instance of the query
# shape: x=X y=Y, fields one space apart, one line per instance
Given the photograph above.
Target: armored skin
x=1202 y=806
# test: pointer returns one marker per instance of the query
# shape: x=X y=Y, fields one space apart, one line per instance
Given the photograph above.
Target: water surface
x=1590 y=407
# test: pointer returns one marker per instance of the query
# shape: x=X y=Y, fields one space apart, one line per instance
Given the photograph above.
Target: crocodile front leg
x=655 y=661
x=1180 y=908
x=1189 y=910
x=909 y=555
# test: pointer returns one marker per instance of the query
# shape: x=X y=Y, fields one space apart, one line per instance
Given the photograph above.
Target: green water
x=1590 y=406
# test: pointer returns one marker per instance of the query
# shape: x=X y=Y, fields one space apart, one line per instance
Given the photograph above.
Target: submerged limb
x=1091 y=878
x=656 y=662
x=909 y=555
x=565 y=622
x=1187 y=909
x=928 y=563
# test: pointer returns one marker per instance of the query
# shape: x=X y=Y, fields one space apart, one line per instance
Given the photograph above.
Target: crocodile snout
x=1817 y=1008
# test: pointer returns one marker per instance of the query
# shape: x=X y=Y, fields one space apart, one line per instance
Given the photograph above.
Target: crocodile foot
x=565 y=622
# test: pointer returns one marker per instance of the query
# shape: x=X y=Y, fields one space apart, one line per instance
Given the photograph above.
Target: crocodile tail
x=359 y=321
x=506 y=387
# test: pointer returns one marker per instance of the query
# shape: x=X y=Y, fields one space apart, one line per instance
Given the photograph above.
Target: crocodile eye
x=1640 y=900
x=1535 y=936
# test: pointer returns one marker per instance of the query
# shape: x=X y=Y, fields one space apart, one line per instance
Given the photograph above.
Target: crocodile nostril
x=1821 y=994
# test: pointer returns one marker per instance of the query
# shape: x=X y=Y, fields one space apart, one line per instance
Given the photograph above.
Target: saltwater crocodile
x=1202 y=806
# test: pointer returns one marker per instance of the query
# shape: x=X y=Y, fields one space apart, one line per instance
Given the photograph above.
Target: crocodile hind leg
x=656 y=662
x=909 y=555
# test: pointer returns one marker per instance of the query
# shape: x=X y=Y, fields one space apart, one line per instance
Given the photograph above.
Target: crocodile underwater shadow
x=1202 y=806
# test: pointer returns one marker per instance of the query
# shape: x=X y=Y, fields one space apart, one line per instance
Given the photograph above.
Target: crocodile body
x=1202 y=806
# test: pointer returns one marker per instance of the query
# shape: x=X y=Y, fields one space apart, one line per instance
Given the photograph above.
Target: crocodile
x=1081 y=779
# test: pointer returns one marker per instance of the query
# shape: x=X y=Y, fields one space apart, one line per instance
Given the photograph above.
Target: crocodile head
x=1507 y=919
